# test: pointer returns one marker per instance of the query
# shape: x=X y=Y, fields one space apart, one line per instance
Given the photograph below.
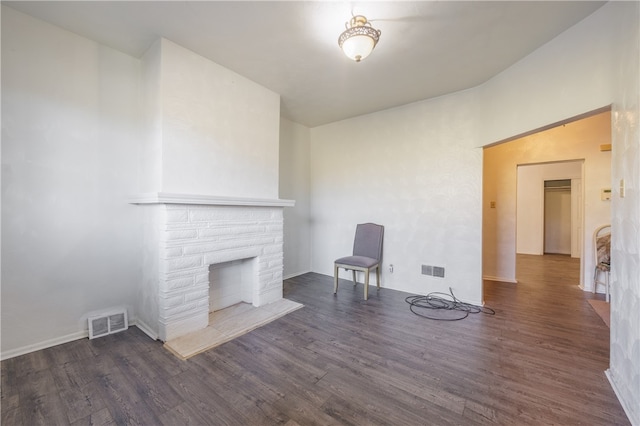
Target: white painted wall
x=624 y=371
x=83 y=131
x=565 y=78
x=148 y=290
x=70 y=129
x=576 y=140
x=207 y=131
x=220 y=131
x=374 y=168
x=530 y=197
x=569 y=76
x=415 y=170
x=150 y=170
x=577 y=215
x=420 y=175
x=294 y=185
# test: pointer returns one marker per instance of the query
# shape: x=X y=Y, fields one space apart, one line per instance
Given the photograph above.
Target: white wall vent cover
x=108 y=323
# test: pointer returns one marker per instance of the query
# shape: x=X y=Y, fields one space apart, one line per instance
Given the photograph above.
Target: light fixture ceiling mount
x=359 y=39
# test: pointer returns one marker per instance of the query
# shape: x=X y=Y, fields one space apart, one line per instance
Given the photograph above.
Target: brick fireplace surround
x=184 y=234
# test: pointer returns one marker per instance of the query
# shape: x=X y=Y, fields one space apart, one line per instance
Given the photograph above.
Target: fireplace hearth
x=185 y=235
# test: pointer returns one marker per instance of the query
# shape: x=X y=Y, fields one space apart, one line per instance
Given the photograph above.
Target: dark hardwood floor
x=341 y=360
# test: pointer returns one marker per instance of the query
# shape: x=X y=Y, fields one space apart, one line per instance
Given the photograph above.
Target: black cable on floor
x=436 y=301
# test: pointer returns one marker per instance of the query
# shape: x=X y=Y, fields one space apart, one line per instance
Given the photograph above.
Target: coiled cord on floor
x=455 y=310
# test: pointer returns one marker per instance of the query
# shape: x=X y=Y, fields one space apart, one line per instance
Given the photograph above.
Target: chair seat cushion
x=358 y=261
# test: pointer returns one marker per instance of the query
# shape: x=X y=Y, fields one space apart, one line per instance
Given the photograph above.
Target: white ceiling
x=427 y=48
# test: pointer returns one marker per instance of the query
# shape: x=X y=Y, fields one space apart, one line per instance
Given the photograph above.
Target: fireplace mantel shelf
x=168 y=198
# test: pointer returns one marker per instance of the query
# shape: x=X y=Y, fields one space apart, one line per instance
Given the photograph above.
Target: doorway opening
x=549 y=209
x=557 y=217
x=570 y=151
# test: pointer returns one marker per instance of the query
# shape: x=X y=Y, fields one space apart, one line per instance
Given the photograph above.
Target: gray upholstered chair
x=367 y=255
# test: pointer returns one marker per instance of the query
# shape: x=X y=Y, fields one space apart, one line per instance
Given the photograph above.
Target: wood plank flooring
x=341 y=360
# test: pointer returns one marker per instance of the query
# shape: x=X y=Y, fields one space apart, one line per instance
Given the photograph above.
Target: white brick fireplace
x=184 y=235
x=205 y=130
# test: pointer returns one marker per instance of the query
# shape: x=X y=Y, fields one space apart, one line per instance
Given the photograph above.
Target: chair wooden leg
x=378 y=276
x=595 y=279
x=366 y=285
x=354 y=278
x=606 y=278
x=335 y=279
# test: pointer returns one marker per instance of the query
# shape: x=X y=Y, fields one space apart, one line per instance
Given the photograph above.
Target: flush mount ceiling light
x=358 y=41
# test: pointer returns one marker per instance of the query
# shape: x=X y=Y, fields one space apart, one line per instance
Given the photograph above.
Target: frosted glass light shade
x=358 y=41
x=358 y=47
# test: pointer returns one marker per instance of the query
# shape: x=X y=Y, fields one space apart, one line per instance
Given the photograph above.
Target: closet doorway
x=557 y=216
x=549 y=211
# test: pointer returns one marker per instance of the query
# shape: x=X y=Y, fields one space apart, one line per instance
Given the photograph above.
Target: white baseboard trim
x=626 y=409
x=65 y=339
x=501 y=279
x=145 y=329
x=588 y=289
x=44 y=344
x=478 y=304
x=295 y=274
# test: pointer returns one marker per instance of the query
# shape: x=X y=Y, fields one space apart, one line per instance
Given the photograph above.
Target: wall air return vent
x=108 y=323
x=438 y=271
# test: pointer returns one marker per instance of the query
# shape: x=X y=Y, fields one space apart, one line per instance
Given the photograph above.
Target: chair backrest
x=368 y=240
x=602 y=244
